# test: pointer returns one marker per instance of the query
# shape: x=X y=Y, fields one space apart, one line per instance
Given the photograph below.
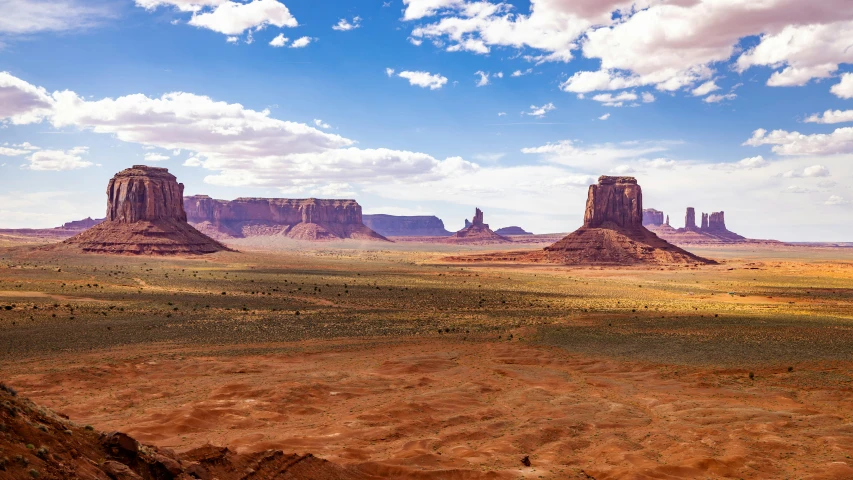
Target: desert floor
x=391 y=359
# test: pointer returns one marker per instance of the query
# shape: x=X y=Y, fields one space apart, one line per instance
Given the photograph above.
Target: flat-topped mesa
x=652 y=217
x=406 y=226
x=614 y=202
x=145 y=215
x=304 y=219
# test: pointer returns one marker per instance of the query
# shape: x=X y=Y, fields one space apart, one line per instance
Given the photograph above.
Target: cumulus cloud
x=321 y=124
x=345 y=25
x=814 y=171
x=604 y=117
x=301 y=42
x=844 y=89
x=242 y=146
x=603 y=156
x=717 y=98
x=839 y=141
x=521 y=73
x=484 y=78
x=540 y=112
x=421 y=79
x=229 y=17
x=279 y=41
x=610 y=100
x=705 y=89
x=58 y=160
x=836 y=200
x=22 y=103
x=831 y=116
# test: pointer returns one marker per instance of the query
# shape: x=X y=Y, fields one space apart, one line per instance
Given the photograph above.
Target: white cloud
x=20 y=102
x=229 y=17
x=753 y=162
x=806 y=51
x=321 y=124
x=609 y=100
x=604 y=117
x=242 y=146
x=839 y=141
x=22 y=17
x=301 y=42
x=58 y=160
x=521 y=73
x=599 y=156
x=844 y=88
x=389 y=72
x=415 y=41
x=279 y=41
x=181 y=5
x=484 y=78
x=501 y=114
x=705 y=89
x=422 y=79
x=540 y=112
x=156 y=157
x=717 y=98
x=232 y=39
x=832 y=116
x=585 y=82
x=836 y=200
x=816 y=171
x=344 y=25
x=648 y=97
x=622 y=170
x=12 y=152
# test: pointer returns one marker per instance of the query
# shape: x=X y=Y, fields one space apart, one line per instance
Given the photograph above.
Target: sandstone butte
x=145 y=215
x=406 y=226
x=513 y=230
x=476 y=232
x=612 y=234
x=711 y=230
x=302 y=219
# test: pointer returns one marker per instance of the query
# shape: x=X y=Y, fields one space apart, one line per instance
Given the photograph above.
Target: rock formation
x=145 y=215
x=512 y=231
x=613 y=231
x=690 y=219
x=406 y=226
x=477 y=232
x=81 y=224
x=66 y=450
x=307 y=219
x=652 y=217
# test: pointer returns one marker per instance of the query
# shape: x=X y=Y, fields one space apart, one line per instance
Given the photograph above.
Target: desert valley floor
x=397 y=363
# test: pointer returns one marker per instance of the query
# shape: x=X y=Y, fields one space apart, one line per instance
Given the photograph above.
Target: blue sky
x=670 y=93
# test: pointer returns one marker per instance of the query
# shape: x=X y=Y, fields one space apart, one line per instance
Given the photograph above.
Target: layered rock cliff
x=303 y=219
x=145 y=215
x=512 y=231
x=652 y=217
x=88 y=222
x=711 y=231
x=406 y=226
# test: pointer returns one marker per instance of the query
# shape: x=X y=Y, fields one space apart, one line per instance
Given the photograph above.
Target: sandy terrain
x=399 y=365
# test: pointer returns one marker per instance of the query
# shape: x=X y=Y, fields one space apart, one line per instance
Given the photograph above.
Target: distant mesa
x=612 y=234
x=710 y=230
x=301 y=219
x=476 y=232
x=145 y=215
x=84 y=224
x=406 y=226
x=512 y=231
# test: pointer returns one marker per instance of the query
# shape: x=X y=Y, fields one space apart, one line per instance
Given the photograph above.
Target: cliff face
x=88 y=222
x=512 y=231
x=305 y=219
x=406 y=226
x=711 y=231
x=614 y=200
x=145 y=215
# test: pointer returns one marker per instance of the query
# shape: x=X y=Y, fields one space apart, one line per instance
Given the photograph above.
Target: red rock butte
x=145 y=215
x=302 y=219
x=613 y=231
x=476 y=232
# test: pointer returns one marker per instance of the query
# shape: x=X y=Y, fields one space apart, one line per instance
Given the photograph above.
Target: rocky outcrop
x=477 y=232
x=512 y=231
x=613 y=231
x=690 y=219
x=711 y=231
x=65 y=450
x=302 y=219
x=652 y=217
x=406 y=226
x=145 y=215
x=84 y=224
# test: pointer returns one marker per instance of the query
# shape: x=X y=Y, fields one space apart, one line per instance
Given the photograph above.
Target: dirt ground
x=409 y=367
